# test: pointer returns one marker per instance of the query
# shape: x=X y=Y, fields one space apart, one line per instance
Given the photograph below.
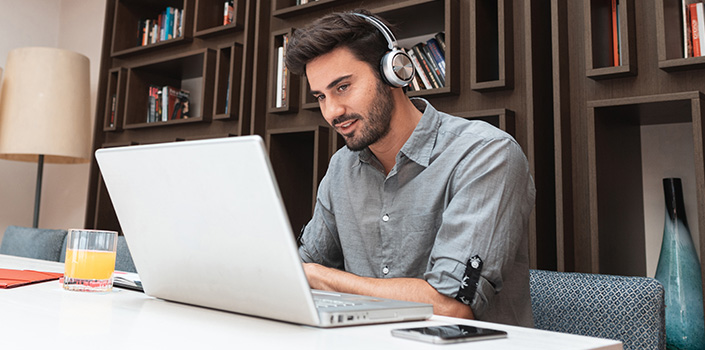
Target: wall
x=75 y=25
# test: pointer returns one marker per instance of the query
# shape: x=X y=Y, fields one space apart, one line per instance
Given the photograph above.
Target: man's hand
x=409 y=289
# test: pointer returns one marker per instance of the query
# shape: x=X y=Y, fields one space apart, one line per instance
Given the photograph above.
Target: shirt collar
x=419 y=146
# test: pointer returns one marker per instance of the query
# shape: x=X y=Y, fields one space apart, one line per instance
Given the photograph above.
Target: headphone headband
x=388 y=35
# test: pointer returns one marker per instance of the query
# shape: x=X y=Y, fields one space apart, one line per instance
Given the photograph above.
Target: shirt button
x=385 y=218
x=385 y=270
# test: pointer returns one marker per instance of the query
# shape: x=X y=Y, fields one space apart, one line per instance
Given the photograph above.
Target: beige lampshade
x=45 y=106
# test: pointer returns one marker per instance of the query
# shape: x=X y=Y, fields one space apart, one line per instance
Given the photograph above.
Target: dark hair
x=342 y=29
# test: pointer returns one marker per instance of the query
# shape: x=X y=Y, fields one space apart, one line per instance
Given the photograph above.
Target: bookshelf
x=669 y=35
x=610 y=33
x=491 y=35
x=613 y=130
x=205 y=57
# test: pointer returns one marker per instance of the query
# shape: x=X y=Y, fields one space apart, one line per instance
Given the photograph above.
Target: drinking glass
x=90 y=260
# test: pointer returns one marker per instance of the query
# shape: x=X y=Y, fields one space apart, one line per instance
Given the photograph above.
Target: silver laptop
x=206 y=226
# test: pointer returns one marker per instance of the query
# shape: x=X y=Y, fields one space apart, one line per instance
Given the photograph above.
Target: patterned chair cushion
x=123 y=260
x=33 y=243
x=629 y=309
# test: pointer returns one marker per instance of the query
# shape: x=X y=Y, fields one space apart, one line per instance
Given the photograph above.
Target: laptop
x=206 y=225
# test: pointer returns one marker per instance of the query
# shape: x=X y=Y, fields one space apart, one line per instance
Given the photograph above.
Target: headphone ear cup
x=396 y=68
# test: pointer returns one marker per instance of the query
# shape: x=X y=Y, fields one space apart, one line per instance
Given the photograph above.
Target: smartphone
x=456 y=333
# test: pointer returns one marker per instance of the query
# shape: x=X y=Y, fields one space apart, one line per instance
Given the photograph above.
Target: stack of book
x=282 y=74
x=168 y=25
x=167 y=103
x=429 y=63
x=693 y=26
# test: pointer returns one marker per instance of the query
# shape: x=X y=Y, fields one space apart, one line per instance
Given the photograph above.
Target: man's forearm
x=409 y=289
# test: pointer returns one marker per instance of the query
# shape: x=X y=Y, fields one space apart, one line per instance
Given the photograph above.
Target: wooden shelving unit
x=231 y=69
x=602 y=162
x=209 y=59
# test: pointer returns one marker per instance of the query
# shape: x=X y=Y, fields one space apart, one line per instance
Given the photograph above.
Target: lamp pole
x=38 y=191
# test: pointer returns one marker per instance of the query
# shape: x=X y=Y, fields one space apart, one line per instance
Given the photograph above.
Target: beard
x=378 y=121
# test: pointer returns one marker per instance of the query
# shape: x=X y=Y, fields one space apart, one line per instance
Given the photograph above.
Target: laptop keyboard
x=332 y=303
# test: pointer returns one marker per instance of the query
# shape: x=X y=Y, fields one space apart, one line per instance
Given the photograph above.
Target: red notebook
x=14 y=278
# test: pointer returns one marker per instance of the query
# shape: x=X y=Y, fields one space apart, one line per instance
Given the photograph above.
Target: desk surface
x=46 y=315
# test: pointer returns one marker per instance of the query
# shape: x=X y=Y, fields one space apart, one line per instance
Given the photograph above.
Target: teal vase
x=679 y=272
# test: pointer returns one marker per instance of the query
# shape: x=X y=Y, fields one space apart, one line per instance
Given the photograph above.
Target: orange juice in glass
x=90 y=260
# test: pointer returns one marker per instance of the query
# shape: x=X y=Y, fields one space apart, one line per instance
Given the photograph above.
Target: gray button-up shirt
x=459 y=189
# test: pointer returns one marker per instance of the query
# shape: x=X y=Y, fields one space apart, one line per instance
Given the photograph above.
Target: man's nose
x=332 y=110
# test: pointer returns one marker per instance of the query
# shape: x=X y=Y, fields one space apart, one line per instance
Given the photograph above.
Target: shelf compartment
x=288 y=8
x=492 y=45
x=114 y=99
x=192 y=71
x=290 y=82
x=209 y=17
x=299 y=157
x=599 y=57
x=228 y=78
x=669 y=36
x=128 y=14
x=616 y=191
x=438 y=16
x=501 y=118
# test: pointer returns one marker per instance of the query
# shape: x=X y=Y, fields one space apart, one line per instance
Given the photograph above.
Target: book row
x=429 y=63
x=693 y=16
x=167 y=103
x=168 y=25
x=282 y=74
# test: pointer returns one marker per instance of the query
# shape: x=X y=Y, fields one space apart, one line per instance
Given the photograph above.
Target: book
x=438 y=55
x=280 y=63
x=615 y=33
x=285 y=70
x=153 y=102
x=694 y=29
x=701 y=26
x=441 y=38
x=113 y=104
x=181 y=106
x=419 y=70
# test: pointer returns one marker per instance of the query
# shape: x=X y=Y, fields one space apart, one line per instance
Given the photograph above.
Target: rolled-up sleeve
x=491 y=195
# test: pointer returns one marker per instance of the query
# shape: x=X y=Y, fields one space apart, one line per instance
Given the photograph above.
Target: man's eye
x=343 y=87
x=319 y=98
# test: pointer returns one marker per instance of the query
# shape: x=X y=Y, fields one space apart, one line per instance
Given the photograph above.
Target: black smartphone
x=449 y=334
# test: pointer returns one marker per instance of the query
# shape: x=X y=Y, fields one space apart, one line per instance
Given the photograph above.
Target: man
x=420 y=205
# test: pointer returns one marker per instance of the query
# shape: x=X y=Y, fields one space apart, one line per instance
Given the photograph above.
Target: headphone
x=396 y=67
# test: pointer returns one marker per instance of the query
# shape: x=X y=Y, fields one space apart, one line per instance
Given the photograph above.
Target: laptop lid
x=205 y=225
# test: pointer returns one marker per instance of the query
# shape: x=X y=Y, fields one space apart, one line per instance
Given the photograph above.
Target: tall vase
x=679 y=272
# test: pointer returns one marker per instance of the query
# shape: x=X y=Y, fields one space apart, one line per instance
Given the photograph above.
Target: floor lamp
x=45 y=109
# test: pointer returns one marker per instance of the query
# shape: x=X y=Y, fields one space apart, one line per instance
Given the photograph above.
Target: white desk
x=45 y=315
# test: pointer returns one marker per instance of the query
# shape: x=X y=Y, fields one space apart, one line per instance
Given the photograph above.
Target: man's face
x=352 y=99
